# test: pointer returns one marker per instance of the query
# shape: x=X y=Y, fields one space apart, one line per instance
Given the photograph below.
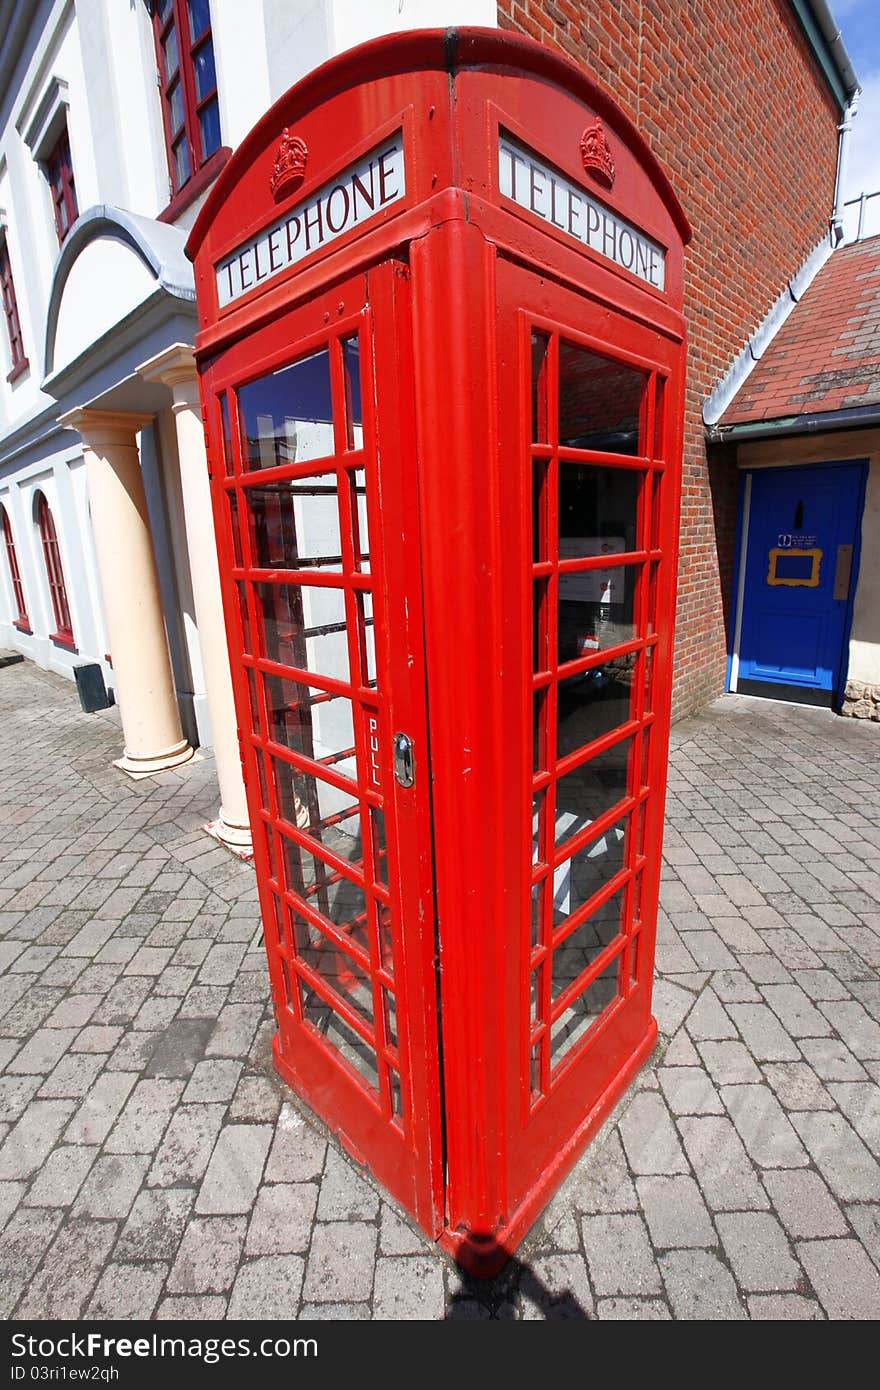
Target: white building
x=115 y=118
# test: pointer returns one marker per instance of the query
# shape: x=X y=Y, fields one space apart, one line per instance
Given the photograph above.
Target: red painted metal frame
x=177 y=17
x=59 y=172
x=20 y=620
x=448 y=320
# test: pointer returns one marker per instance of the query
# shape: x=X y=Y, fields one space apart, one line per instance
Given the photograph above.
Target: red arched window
x=55 y=574
x=21 y=617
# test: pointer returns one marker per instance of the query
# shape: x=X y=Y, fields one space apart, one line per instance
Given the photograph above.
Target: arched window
x=21 y=618
x=54 y=573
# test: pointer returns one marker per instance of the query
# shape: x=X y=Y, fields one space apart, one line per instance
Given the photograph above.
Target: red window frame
x=182 y=106
x=63 y=633
x=21 y=619
x=59 y=172
x=10 y=309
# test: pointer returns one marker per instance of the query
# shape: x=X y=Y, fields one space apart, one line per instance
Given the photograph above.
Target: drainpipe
x=844 y=131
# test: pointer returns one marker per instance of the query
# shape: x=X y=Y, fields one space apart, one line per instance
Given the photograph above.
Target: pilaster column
x=175 y=368
x=130 y=590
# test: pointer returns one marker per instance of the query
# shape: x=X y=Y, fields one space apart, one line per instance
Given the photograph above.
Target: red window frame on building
x=63 y=633
x=188 y=84
x=59 y=172
x=21 y=619
x=10 y=309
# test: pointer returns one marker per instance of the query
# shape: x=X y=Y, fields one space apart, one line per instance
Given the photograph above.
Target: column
x=130 y=590
x=175 y=368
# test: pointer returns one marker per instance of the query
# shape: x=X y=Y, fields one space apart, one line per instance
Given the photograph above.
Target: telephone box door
x=596 y=436
x=315 y=509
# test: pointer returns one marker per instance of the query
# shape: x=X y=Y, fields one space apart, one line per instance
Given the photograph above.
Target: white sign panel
x=591 y=586
x=533 y=185
x=351 y=198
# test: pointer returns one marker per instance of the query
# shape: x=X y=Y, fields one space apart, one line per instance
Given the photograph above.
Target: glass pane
x=235 y=530
x=304 y=626
x=390 y=1017
x=540 y=528
x=336 y=967
x=368 y=639
x=596 y=611
x=203 y=67
x=311 y=722
x=540 y=344
x=209 y=124
x=582 y=1013
x=361 y=538
x=597 y=512
x=327 y=814
x=287 y=417
x=338 y=899
x=334 y=1028
x=354 y=416
x=589 y=869
x=592 y=704
x=592 y=789
x=295 y=524
x=169 y=52
x=599 y=401
x=182 y=167
x=199 y=17
x=227 y=433
x=163 y=10
x=539 y=847
x=174 y=97
x=246 y=637
x=572 y=956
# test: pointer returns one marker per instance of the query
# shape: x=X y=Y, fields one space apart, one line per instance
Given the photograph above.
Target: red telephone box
x=441 y=360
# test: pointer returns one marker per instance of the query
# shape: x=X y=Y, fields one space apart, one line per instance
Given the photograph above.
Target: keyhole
x=799 y=516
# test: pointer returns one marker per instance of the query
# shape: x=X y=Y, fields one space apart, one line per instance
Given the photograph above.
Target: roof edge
x=823 y=35
x=852 y=417
x=451 y=50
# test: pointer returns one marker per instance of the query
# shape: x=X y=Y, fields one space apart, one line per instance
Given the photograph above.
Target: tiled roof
x=826 y=356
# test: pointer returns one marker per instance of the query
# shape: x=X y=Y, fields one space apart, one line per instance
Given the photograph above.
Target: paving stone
x=845 y=1280
x=127 y=1291
x=145 y=1117
x=15 y=1093
x=763 y=1034
x=282 y=1218
x=797 y=1086
x=689 y=1091
x=796 y=1013
x=61 y=1176
x=213 y=1081
x=708 y=1019
x=180 y=1047
x=758 y=1251
x=681 y=1052
x=699 y=1286
x=860 y=1102
x=233 y=1175
x=70 y=1271
x=345 y=1194
x=649 y=1137
x=865 y=1221
x=724 y=1172
x=73 y=1076
x=410 y=1287
x=783 y=1307
x=208 y=1257
x=340 y=1263
x=26 y=1238
x=112 y=1186
x=854 y=1024
x=803 y=1203
x=396 y=1236
x=675 y=1212
x=155 y=1225
x=837 y=1151
x=762 y=1125
x=234 y=1030
x=298 y=1150
x=32 y=1138
x=186 y=1148
x=619 y=1255
x=267 y=1288
x=632 y=1310
x=182 y=1308
x=337 y=1312
x=708 y=951
x=11 y=1194
x=832 y=1061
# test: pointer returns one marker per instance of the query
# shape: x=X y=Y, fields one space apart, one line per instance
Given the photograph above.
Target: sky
x=859 y=22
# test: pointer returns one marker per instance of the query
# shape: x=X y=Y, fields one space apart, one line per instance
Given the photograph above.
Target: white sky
x=859 y=22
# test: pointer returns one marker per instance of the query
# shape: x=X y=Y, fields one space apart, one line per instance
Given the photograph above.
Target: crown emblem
x=289 y=168
x=596 y=154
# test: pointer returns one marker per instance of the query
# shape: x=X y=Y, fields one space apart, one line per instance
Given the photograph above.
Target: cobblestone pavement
x=152 y=1165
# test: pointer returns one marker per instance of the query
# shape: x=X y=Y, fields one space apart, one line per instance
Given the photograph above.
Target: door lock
x=404 y=764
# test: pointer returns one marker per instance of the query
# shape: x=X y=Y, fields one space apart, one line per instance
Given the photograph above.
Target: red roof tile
x=827 y=354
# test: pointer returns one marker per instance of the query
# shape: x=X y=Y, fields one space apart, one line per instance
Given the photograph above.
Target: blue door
x=801 y=556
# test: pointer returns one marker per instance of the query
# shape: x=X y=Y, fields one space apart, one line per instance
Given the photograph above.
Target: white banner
x=531 y=184
x=353 y=197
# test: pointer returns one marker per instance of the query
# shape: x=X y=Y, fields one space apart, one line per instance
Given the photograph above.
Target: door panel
x=322 y=592
x=597 y=454
x=796 y=591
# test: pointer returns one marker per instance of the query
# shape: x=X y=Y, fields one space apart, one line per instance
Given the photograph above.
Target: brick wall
x=732 y=103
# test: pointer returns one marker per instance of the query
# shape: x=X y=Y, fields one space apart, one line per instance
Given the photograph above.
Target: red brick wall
x=731 y=101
